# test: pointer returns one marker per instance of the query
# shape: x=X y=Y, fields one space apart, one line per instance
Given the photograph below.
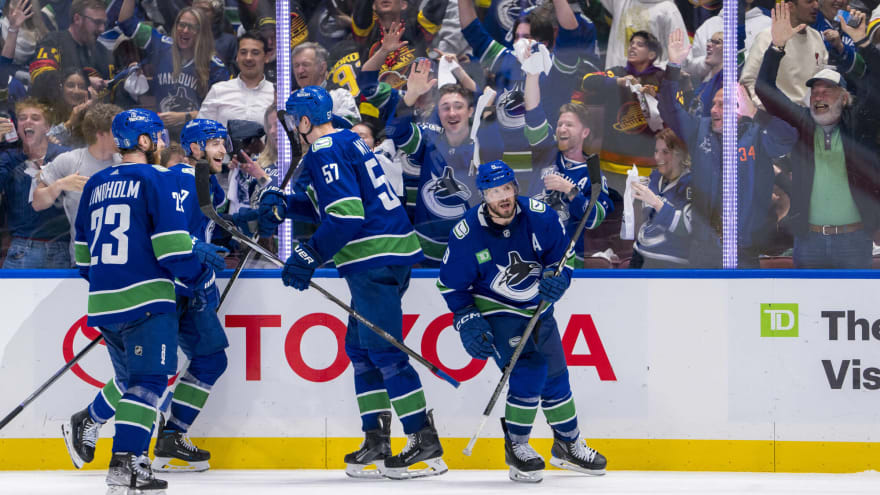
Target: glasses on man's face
x=96 y=22
x=193 y=28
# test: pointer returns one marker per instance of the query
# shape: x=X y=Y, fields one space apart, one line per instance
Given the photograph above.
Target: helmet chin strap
x=305 y=134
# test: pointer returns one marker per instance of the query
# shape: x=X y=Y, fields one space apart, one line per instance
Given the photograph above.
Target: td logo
x=779 y=320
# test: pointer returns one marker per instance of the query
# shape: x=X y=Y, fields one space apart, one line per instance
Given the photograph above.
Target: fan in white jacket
x=756 y=21
x=658 y=17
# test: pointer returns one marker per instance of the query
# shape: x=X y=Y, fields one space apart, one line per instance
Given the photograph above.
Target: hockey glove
x=300 y=266
x=210 y=255
x=205 y=296
x=551 y=288
x=273 y=205
x=242 y=220
x=475 y=332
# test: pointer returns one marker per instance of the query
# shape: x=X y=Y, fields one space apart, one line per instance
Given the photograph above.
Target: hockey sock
x=520 y=415
x=404 y=388
x=561 y=415
x=372 y=398
x=136 y=413
x=104 y=406
x=187 y=402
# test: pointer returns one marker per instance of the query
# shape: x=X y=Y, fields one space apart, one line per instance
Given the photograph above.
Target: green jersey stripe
x=433 y=250
x=560 y=413
x=171 y=243
x=111 y=393
x=133 y=296
x=537 y=134
x=490 y=56
x=135 y=414
x=375 y=246
x=412 y=144
x=346 y=208
x=82 y=254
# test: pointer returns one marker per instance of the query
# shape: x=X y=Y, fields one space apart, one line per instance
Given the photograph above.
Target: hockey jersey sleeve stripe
x=131 y=297
x=372 y=247
x=81 y=254
x=346 y=208
x=415 y=140
x=562 y=67
x=488 y=306
x=492 y=54
x=433 y=249
x=443 y=289
x=536 y=135
x=166 y=244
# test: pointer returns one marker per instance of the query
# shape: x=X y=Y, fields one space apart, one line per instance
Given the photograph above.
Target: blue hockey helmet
x=493 y=174
x=129 y=125
x=313 y=102
x=200 y=131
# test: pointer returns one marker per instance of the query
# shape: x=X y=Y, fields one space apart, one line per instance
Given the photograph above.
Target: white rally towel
x=627 y=228
x=485 y=100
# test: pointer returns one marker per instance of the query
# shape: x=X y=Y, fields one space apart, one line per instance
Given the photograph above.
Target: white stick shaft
x=470 y=446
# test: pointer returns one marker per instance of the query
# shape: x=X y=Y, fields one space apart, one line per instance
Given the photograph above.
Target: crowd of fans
x=437 y=86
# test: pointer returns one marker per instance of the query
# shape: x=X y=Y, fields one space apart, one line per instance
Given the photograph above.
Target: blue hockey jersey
x=665 y=235
x=445 y=189
x=132 y=240
x=199 y=225
x=498 y=268
x=362 y=222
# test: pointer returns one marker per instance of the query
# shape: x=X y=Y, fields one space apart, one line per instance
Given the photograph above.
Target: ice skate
x=577 y=456
x=421 y=446
x=80 y=435
x=375 y=448
x=175 y=452
x=130 y=474
x=526 y=465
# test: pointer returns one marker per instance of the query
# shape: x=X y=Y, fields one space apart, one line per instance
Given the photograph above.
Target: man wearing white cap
x=835 y=179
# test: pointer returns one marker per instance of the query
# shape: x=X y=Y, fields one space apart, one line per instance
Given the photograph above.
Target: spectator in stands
x=628 y=138
x=309 y=65
x=39 y=239
x=19 y=18
x=67 y=111
x=172 y=155
x=840 y=47
x=371 y=20
x=835 y=180
x=760 y=139
x=711 y=82
x=68 y=172
x=658 y=17
x=186 y=66
x=664 y=238
x=76 y=47
x=806 y=54
x=559 y=155
x=224 y=41
x=756 y=20
x=247 y=96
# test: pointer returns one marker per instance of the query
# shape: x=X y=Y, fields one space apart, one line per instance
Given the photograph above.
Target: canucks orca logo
x=518 y=281
x=446 y=196
x=178 y=102
x=511 y=108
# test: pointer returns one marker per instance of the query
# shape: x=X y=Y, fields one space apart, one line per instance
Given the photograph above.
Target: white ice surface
x=453 y=482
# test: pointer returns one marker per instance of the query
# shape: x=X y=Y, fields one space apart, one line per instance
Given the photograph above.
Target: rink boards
x=701 y=372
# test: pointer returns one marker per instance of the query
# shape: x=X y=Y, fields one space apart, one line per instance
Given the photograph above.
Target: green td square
x=483 y=256
x=779 y=320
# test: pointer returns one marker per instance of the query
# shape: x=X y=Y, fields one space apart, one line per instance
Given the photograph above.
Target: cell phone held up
x=847 y=18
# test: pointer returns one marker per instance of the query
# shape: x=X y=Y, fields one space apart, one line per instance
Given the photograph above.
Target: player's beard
x=494 y=213
x=152 y=154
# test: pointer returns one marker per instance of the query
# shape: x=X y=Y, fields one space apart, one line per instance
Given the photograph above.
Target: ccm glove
x=300 y=266
x=475 y=332
x=210 y=255
x=273 y=205
x=551 y=288
x=205 y=295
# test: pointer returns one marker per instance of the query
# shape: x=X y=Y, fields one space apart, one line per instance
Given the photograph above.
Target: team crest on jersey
x=511 y=108
x=446 y=196
x=518 y=281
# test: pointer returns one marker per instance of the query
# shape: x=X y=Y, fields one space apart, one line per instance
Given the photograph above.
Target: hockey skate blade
x=67 y=433
x=561 y=464
x=125 y=490
x=363 y=471
x=435 y=467
x=526 y=476
x=174 y=465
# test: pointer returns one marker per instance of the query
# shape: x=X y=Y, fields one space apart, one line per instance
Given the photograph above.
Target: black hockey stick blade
x=42 y=388
x=595 y=175
x=203 y=191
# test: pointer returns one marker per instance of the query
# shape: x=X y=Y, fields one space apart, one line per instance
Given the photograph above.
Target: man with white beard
x=835 y=179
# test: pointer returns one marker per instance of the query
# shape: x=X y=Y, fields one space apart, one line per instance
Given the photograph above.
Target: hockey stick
x=595 y=189
x=203 y=191
x=296 y=148
x=9 y=417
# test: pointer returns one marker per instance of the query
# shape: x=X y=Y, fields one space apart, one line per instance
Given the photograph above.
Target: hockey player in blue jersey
x=497 y=268
x=201 y=336
x=365 y=230
x=559 y=154
x=131 y=244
